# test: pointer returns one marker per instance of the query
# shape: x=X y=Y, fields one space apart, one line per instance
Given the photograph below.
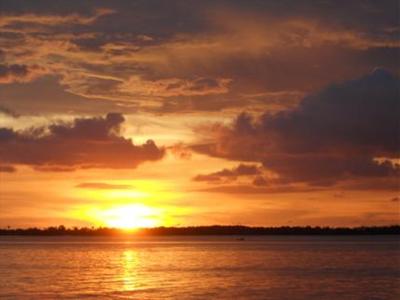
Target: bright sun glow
x=134 y=207
x=130 y=216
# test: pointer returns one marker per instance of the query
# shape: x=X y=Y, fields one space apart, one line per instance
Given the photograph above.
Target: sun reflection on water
x=130 y=263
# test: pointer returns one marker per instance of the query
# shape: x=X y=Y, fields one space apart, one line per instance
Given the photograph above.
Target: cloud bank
x=336 y=134
x=84 y=143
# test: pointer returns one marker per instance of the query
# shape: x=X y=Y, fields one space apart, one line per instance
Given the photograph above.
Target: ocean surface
x=272 y=267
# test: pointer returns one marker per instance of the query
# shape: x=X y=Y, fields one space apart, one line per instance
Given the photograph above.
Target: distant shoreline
x=216 y=230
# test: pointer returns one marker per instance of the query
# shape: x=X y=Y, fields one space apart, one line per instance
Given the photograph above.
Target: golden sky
x=175 y=113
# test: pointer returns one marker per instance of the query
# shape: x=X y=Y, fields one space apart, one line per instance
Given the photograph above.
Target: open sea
x=258 y=267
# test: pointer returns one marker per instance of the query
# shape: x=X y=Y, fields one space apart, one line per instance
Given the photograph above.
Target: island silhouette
x=203 y=230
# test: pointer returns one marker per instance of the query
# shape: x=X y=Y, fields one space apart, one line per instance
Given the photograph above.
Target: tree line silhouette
x=204 y=230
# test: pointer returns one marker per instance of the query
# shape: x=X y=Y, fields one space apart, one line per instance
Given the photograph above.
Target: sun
x=128 y=209
x=130 y=216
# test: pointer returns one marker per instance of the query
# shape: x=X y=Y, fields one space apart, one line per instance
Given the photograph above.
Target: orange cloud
x=175 y=87
x=53 y=19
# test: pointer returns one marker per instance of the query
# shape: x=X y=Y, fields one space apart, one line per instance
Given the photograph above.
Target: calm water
x=200 y=268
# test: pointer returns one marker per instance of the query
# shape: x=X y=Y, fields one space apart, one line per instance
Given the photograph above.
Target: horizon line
x=203 y=230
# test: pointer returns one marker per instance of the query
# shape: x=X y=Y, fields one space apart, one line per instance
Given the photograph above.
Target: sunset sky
x=177 y=113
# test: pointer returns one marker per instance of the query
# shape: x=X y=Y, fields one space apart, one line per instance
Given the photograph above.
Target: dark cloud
x=252 y=189
x=83 y=143
x=8 y=112
x=207 y=177
x=17 y=73
x=103 y=186
x=7 y=169
x=230 y=174
x=363 y=14
x=362 y=112
x=325 y=170
x=373 y=184
x=332 y=135
x=48 y=168
x=260 y=181
x=46 y=96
